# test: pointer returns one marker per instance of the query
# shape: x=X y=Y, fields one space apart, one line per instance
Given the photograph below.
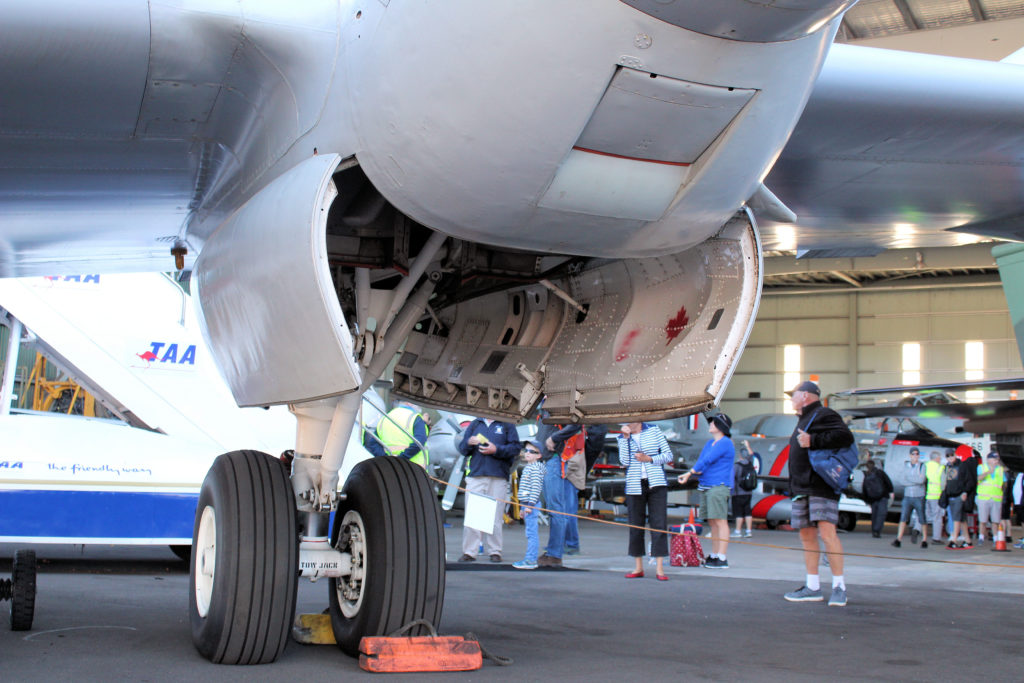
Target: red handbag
x=686 y=550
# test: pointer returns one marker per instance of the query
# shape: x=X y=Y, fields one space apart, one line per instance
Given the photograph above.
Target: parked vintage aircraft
x=527 y=199
x=1002 y=419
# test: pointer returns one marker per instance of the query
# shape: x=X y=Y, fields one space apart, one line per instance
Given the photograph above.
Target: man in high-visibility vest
x=991 y=477
x=400 y=433
x=933 y=470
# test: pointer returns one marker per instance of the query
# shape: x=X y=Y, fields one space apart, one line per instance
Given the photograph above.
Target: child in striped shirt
x=531 y=484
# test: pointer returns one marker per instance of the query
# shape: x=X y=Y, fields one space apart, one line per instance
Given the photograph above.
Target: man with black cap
x=715 y=468
x=815 y=504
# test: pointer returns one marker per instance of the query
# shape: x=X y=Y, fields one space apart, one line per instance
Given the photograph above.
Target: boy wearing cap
x=715 y=468
x=815 y=505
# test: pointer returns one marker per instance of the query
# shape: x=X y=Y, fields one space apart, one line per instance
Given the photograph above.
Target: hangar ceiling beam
x=972 y=256
x=907 y=14
x=977 y=10
x=949 y=282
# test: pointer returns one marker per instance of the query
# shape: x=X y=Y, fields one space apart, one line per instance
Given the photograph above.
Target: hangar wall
x=856 y=340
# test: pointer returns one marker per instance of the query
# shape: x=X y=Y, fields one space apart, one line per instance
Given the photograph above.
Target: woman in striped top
x=644 y=451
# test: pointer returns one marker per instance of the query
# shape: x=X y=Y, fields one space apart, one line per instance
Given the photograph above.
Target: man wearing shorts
x=991 y=477
x=815 y=504
x=913 y=479
x=714 y=467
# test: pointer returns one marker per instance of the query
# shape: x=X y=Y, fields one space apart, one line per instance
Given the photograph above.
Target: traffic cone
x=692 y=519
x=1001 y=542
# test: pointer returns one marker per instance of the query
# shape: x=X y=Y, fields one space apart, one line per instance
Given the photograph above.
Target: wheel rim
x=205 y=558
x=352 y=540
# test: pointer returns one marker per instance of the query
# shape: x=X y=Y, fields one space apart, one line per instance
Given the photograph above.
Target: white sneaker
x=747 y=534
x=735 y=534
x=707 y=535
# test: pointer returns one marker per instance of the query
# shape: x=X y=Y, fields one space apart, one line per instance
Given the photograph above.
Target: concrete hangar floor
x=120 y=613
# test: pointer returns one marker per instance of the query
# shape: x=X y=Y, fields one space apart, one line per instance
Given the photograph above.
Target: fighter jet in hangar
x=525 y=199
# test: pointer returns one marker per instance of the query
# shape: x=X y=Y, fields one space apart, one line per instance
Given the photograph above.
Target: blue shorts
x=913 y=504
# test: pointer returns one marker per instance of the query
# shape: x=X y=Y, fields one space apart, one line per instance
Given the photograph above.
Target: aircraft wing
x=1005 y=384
x=896 y=149
x=988 y=410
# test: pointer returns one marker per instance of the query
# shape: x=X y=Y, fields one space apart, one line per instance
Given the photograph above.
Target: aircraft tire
x=23 y=590
x=847 y=521
x=243 y=608
x=390 y=522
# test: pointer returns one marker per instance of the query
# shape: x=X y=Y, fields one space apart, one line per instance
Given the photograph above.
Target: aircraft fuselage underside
x=521 y=199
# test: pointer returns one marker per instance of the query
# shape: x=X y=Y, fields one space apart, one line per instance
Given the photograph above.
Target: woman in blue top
x=714 y=466
x=643 y=451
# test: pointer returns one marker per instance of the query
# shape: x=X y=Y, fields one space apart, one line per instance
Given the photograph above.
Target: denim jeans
x=560 y=496
x=879 y=509
x=532 y=538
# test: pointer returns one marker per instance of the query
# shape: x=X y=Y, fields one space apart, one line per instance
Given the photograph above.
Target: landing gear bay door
x=635 y=338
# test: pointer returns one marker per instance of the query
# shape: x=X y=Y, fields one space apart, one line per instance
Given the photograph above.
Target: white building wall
x=856 y=340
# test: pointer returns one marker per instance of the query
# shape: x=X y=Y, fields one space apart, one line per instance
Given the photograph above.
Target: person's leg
x=877 y=516
x=532 y=538
x=750 y=524
x=557 y=522
x=571 y=506
x=471 y=537
x=833 y=546
x=809 y=539
x=635 y=508
x=497 y=488
x=657 y=513
x=720 y=537
x=904 y=517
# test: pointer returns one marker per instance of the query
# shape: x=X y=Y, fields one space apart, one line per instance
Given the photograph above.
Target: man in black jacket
x=815 y=505
x=878 y=495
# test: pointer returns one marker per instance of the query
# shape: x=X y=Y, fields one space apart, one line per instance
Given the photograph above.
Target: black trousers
x=879 y=508
x=650 y=508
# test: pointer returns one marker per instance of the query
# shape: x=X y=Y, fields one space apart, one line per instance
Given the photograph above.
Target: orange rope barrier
x=750 y=543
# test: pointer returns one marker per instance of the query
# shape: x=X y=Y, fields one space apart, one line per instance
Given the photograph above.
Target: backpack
x=833 y=465
x=573 y=448
x=748 y=476
x=873 y=487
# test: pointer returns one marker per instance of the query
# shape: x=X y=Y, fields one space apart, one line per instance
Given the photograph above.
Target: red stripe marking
x=905 y=442
x=780 y=462
x=765 y=505
x=620 y=156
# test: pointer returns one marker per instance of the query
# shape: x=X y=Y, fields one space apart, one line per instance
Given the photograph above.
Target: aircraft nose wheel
x=20 y=589
x=389 y=522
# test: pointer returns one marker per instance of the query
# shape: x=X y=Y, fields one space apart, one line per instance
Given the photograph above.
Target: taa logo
x=95 y=279
x=9 y=465
x=163 y=352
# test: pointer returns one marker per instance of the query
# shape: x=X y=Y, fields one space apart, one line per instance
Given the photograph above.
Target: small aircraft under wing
x=521 y=199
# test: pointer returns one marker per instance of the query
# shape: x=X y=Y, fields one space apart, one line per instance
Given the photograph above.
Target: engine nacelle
x=659 y=337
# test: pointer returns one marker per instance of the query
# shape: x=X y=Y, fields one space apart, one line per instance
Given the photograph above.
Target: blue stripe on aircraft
x=97 y=514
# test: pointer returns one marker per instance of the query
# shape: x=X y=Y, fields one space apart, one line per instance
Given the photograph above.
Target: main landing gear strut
x=258 y=529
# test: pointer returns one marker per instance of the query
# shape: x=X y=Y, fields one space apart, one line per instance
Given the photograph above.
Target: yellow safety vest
x=396 y=434
x=933 y=474
x=991 y=487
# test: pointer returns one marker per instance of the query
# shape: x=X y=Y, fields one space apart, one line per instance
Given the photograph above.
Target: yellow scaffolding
x=45 y=392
